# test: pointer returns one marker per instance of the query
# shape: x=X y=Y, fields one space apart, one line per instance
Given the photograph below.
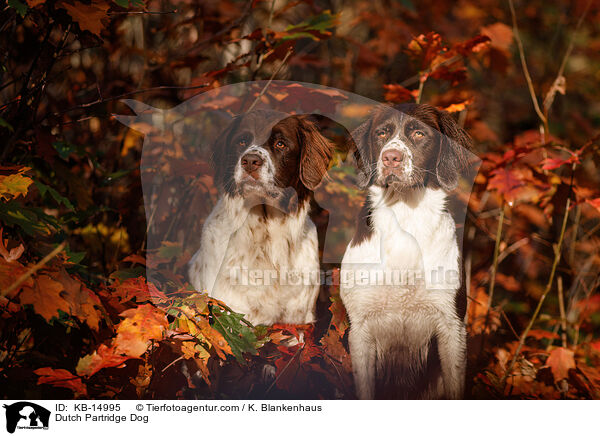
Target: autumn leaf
x=553 y=163
x=136 y=289
x=88 y=16
x=14 y=253
x=457 y=107
x=61 y=378
x=594 y=203
x=240 y=337
x=399 y=94
x=103 y=357
x=560 y=361
x=45 y=296
x=14 y=185
x=139 y=326
x=542 y=334
x=83 y=303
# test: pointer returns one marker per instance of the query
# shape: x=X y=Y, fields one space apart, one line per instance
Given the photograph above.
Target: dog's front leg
x=362 y=350
x=452 y=350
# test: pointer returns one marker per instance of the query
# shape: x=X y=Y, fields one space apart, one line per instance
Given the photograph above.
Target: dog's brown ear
x=316 y=154
x=362 y=152
x=452 y=159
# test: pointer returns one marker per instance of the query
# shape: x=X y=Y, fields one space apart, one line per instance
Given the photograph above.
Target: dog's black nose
x=392 y=158
x=251 y=162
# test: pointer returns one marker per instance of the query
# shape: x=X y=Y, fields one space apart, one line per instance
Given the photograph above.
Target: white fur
x=415 y=233
x=235 y=240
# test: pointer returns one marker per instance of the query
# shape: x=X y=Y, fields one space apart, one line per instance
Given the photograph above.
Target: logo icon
x=26 y=415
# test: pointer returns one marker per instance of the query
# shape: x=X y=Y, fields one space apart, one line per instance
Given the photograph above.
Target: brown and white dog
x=400 y=278
x=259 y=249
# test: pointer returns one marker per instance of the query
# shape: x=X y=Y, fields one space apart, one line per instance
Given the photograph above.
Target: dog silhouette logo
x=26 y=415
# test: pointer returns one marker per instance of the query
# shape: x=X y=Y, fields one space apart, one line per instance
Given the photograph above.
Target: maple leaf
x=9 y=273
x=81 y=301
x=399 y=94
x=61 y=378
x=139 y=326
x=137 y=288
x=103 y=357
x=14 y=253
x=14 y=185
x=88 y=16
x=560 y=361
x=45 y=296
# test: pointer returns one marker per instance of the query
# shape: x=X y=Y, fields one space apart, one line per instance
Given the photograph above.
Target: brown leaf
x=88 y=16
x=14 y=253
x=560 y=361
x=399 y=94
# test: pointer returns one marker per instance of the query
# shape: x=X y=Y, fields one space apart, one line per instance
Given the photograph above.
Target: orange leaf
x=61 y=378
x=104 y=357
x=457 y=107
x=46 y=297
x=88 y=16
x=560 y=361
x=141 y=325
x=82 y=302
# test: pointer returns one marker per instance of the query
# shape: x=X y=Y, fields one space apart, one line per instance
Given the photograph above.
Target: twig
x=563 y=316
x=549 y=99
x=495 y=262
x=127 y=94
x=557 y=255
x=173 y=363
x=536 y=105
x=287 y=55
x=33 y=269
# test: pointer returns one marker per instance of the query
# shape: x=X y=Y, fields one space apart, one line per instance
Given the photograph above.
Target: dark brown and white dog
x=259 y=249
x=400 y=274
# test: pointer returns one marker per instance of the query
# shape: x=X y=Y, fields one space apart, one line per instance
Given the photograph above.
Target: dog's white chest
x=264 y=268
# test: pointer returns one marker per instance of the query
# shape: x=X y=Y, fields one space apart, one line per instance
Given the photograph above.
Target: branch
x=557 y=255
x=33 y=270
x=287 y=55
x=536 y=106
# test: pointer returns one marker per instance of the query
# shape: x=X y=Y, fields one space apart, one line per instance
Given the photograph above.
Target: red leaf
x=399 y=94
x=104 y=357
x=61 y=378
x=560 y=361
x=542 y=334
x=595 y=203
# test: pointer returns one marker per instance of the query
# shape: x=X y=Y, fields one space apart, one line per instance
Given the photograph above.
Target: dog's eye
x=280 y=145
x=243 y=142
x=382 y=133
x=418 y=134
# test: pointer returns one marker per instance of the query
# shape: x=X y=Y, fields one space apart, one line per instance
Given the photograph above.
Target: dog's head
x=267 y=158
x=410 y=146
